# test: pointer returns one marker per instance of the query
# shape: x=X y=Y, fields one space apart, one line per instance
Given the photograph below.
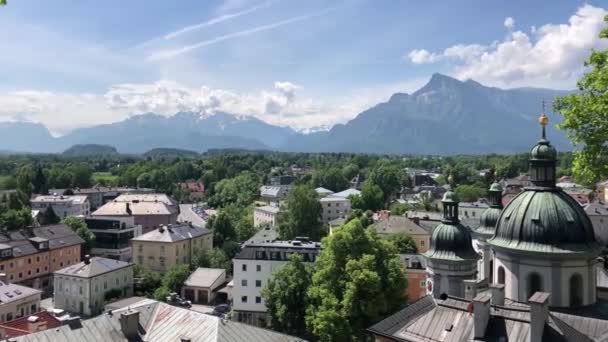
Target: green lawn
x=105 y=177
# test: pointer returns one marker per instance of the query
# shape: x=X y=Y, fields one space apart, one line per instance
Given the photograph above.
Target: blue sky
x=306 y=64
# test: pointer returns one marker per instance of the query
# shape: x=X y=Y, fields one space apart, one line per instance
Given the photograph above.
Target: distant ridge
x=170 y=153
x=90 y=150
x=446 y=116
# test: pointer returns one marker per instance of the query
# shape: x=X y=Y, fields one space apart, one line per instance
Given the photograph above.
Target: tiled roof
x=398 y=224
x=95 y=267
x=19 y=326
x=160 y=322
x=173 y=233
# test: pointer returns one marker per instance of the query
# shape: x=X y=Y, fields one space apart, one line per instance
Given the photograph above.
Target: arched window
x=576 y=290
x=501 y=275
x=535 y=284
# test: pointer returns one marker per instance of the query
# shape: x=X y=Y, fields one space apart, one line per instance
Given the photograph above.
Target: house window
x=422 y=284
x=244 y=282
x=20 y=274
x=258 y=268
x=244 y=299
x=258 y=300
x=29 y=261
x=244 y=267
x=258 y=283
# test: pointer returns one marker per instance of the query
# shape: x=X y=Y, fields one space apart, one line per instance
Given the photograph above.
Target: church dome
x=489 y=217
x=543 y=151
x=543 y=218
x=545 y=221
x=451 y=240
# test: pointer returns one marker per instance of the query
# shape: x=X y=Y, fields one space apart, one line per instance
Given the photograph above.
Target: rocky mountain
x=90 y=150
x=446 y=116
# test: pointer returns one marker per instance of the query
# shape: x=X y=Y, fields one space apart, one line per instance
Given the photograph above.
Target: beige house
x=392 y=225
x=150 y=215
x=202 y=284
x=17 y=301
x=170 y=245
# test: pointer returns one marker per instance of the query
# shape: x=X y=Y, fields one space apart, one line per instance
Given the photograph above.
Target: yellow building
x=170 y=245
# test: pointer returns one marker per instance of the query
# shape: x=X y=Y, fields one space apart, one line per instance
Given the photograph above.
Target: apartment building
x=254 y=266
x=63 y=206
x=84 y=288
x=149 y=210
x=113 y=236
x=265 y=216
x=170 y=245
x=29 y=257
x=99 y=195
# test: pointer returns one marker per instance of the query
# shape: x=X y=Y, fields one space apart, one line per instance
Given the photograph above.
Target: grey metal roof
x=14 y=292
x=430 y=319
x=451 y=241
x=58 y=236
x=249 y=251
x=95 y=267
x=173 y=233
x=160 y=322
x=187 y=214
x=205 y=277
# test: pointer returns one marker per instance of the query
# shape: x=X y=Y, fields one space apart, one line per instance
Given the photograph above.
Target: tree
x=145 y=180
x=24 y=185
x=16 y=219
x=215 y=258
x=174 y=278
x=303 y=215
x=78 y=225
x=148 y=281
x=470 y=193
x=386 y=176
x=244 y=228
x=241 y=190
x=223 y=228
x=358 y=279
x=49 y=216
x=39 y=182
x=82 y=175
x=332 y=179
x=371 y=198
x=585 y=115
x=161 y=293
x=405 y=244
x=286 y=296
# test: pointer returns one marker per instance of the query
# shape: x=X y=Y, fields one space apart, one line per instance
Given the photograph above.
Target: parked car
x=176 y=300
x=222 y=308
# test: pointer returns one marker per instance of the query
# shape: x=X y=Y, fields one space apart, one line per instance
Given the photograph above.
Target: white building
x=254 y=266
x=63 y=206
x=473 y=210
x=274 y=193
x=265 y=216
x=322 y=192
x=83 y=288
x=337 y=205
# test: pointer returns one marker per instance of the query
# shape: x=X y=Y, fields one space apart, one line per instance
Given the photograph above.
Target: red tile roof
x=19 y=326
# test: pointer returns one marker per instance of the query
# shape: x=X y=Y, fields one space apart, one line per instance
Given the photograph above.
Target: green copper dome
x=451 y=242
x=543 y=151
x=488 y=219
x=545 y=221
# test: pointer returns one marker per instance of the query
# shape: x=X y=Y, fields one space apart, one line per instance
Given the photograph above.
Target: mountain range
x=446 y=116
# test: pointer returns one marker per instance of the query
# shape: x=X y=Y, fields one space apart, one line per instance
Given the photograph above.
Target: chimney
x=129 y=323
x=161 y=228
x=498 y=294
x=128 y=210
x=470 y=289
x=3 y=278
x=416 y=220
x=34 y=324
x=87 y=259
x=481 y=314
x=539 y=310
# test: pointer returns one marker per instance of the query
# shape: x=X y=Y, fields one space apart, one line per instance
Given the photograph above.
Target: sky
x=304 y=64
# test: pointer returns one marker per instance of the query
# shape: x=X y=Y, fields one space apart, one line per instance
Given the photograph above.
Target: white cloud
x=509 y=23
x=423 y=56
x=553 y=56
x=281 y=105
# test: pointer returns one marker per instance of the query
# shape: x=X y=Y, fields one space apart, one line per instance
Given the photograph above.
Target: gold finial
x=543 y=120
x=451 y=179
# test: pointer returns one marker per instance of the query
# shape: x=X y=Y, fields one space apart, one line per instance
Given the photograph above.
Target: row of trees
x=357 y=279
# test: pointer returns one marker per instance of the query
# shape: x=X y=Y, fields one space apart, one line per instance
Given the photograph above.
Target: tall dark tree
x=39 y=183
x=303 y=216
x=286 y=297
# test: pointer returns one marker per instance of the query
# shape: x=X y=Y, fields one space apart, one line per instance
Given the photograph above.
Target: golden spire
x=543 y=120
